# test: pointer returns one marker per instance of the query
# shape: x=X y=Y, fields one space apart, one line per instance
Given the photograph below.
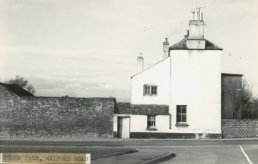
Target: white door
x=123 y=127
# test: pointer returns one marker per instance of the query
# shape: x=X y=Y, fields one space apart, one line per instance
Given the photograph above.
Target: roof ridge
x=178 y=42
x=181 y=45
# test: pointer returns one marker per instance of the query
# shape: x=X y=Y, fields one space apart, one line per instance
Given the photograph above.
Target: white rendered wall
x=159 y=75
x=163 y=123
x=138 y=123
x=196 y=82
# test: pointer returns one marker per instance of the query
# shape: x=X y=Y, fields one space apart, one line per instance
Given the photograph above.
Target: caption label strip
x=45 y=158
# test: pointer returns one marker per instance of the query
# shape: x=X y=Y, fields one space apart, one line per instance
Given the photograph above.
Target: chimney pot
x=165 y=48
x=140 y=63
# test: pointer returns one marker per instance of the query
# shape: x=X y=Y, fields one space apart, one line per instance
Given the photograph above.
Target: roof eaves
x=231 y=74
x=181 y=45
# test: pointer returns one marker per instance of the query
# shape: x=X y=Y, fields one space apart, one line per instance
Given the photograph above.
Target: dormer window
x=150 y=90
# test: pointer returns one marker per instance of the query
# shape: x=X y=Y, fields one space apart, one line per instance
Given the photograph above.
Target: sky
x=88 y=48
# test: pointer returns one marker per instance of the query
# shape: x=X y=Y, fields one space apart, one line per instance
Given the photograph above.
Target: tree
x=238 y=96
x=23 y=83
x=251 y=110
x=31 y=89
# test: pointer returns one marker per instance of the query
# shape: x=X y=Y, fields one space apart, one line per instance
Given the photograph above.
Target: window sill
x=182 y=124
x=152 y=129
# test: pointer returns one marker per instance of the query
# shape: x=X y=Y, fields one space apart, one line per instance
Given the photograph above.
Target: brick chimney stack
x=195 y=39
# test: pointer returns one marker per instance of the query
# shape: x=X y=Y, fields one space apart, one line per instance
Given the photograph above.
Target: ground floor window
x=151 y=122
x=181 y=113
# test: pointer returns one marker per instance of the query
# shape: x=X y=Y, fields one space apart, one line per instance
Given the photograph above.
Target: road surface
x=242 y=151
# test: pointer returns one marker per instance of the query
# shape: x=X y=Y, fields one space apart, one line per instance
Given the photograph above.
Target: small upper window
x=150 y=90
x=154 y=90
x=146 y=90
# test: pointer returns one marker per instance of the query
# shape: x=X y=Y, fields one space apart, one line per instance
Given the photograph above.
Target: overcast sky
x=88 y=48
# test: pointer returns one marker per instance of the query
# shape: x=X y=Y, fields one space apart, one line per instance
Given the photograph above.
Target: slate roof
x=182 y=45
x=231 y=74
x=127 y=108
x=16 y=89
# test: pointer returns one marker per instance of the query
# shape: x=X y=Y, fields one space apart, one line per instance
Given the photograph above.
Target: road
x=243 y=151
x=214 y=154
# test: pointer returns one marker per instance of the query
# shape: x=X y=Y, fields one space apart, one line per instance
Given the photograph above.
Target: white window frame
x=151 y=122
x=180 y=113
x=148 y=90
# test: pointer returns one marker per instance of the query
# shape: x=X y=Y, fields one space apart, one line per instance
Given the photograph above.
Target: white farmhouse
x=180 y=96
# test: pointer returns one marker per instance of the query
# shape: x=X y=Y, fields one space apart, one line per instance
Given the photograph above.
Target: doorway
x=123 y=127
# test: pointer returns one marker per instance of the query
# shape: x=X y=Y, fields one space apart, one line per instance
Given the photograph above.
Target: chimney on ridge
x=140 y=63
x=195 y=39
x=165 y=48
x=196 y=25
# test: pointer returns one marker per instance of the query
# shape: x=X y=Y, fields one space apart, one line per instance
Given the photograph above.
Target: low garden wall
x=239 y=128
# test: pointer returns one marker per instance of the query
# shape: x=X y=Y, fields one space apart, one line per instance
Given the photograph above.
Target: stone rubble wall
x=55 y=117
x=239 y=128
